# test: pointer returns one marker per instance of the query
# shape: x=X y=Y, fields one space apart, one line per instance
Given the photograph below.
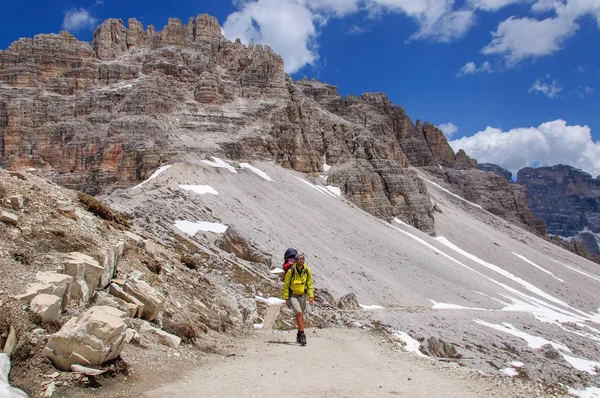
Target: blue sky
x=514 y=82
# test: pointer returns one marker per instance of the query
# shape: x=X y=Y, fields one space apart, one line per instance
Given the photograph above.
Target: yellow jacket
x=300 y=283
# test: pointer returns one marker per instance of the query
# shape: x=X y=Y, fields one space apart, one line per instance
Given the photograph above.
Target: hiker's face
x=300 y=260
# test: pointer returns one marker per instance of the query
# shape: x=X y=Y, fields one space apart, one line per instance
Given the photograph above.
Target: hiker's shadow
x=282 y=342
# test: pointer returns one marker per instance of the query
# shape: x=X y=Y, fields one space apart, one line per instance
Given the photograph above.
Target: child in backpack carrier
x=289 y=258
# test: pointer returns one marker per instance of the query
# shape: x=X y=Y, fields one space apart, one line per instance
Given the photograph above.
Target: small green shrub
x=101 y=210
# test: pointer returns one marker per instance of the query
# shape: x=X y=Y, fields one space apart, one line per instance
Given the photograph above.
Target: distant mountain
x=568 y=199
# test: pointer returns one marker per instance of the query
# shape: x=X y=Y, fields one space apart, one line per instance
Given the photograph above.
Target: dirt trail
x=335 y=363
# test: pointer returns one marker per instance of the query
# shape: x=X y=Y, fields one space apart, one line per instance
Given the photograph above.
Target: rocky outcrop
x=496 y=169
x=349 y=302
x=232 y=242
x=494 y=193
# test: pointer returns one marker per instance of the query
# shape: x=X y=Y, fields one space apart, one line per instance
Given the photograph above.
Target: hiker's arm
x=309 y=286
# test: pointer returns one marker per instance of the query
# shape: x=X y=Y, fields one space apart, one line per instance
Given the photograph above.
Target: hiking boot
x=302 y=339
x=298 y=339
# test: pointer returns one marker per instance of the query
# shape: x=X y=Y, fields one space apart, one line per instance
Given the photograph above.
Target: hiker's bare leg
x=300 y=322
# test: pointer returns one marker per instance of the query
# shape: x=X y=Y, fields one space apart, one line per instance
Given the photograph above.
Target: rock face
x=90 y=339
x=494 y=193
x=233 y=242
x=567 y=198
x=497 y=169
x=101 y=116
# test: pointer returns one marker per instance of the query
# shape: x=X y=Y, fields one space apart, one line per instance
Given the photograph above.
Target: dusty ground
x=335 y=363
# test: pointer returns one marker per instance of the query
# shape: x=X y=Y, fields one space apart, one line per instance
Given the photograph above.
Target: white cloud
x=78 y=19
x=356 y=30
x=291 y=27
x=519 y=38
x=449 y=129
x=492 y=5
x=550 y=143
x=549 y=88
x=288 y=27
x=470 y=68
x=583 y=91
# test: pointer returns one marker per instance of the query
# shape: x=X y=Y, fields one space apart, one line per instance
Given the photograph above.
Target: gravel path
x=335 y=363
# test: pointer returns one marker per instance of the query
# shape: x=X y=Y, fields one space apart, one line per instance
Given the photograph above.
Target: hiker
x=297 y=285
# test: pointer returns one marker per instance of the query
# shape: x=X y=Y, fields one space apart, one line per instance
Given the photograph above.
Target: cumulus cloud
x=470 y=68
x=78 y=19
x=449 y=129
x=520 y=38
x=550 y=143
x=548 y=88
x=583 y=91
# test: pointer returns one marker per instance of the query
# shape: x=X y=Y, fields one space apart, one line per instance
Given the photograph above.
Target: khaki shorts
x=298 y=303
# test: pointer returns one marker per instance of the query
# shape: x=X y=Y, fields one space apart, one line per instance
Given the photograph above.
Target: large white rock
x=133 y=238
x=11 y=341
x=110 y=300
x=162 y=337
x=6 y=391
x=46 y=306
x=152 y=299
x=118 y=292
x=97 y=336
x=49 y=283
x=87 y=274
x=111 y=262
x=61 y=285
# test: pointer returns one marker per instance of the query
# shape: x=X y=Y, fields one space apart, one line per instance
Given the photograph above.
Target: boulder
x=47 y=306
x=441 y=349
x=152 y=299
x=17 y=201
x=133 y=238
x=111 y=261
x=93 y=338
x=110 y=300
x=118 y=292
x=349 y=302
x=87 y=274
x=233 y=242
x=60 y=283
x=162 y=337
x=9 y=218
x=6 y=391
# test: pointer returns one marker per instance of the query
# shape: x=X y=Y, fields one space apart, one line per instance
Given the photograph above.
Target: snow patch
x=516 y=364
x=218 y=163
x=317 y=188
x=270 y=300
x=277 y=271
x=201 y=189
x=261 y=173
x=326 y=167
x=590 y=392
x=446 y=306
x=154 y=175
x=258 y=326
x=336 y=191
x=192 y=228
x=510 y=371
x=583 y=365
x=532 y=341
x=538 y=267
x=371 y=307
x=411 y=345
x=452 y=194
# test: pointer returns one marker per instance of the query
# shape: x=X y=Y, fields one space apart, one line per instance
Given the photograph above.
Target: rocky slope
x=105 y=115
x=568 y=199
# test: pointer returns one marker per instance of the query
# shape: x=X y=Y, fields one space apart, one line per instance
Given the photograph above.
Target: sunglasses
x=300 y=258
